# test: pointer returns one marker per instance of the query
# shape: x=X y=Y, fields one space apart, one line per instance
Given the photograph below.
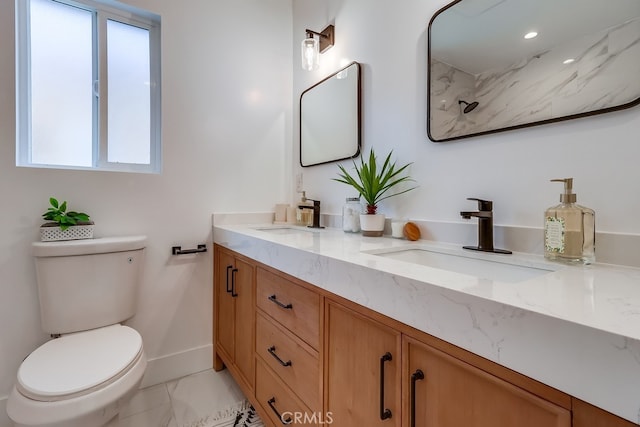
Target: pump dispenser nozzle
x=568 y=196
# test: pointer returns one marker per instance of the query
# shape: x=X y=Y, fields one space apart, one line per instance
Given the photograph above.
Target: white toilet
x=85 y=376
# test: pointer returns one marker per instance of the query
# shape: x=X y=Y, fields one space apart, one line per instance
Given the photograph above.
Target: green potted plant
x=63 y=224
x=373 y=183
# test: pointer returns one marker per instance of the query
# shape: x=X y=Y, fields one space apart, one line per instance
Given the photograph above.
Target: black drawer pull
x=233 y=282
x=229 y=267
x=416 y=376
x=272 y=351
x=385 y=413
x=273 y=299
x=273 y=408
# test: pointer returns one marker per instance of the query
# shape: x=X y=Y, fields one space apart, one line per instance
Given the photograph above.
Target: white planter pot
x=372 y=225
x=74 y=232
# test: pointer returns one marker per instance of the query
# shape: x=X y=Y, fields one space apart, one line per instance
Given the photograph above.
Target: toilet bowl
x=78 y=380
x=85 y=375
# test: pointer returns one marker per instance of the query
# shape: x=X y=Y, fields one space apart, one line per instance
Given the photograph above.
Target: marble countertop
x=575 y=328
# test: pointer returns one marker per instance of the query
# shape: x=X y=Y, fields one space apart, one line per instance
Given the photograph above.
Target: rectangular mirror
x=330 y=118
x=496 y=65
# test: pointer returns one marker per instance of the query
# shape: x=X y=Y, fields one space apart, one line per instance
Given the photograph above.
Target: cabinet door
x=586 y=415
x=224 y=306
x=363 y=370
x=235 y=313
x=447 y=392
x=243 y=294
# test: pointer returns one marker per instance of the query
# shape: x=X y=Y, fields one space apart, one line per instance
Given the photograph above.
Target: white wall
x=226 y=126
x=227 y=123
x=512 y=168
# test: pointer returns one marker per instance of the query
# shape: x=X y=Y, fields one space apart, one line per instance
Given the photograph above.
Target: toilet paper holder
x=177 y=250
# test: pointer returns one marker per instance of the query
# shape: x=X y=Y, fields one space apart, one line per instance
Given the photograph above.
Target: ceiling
x=478 y=35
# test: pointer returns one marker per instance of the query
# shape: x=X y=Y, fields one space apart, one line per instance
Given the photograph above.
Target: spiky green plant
x=373 y=184
x=58 y=214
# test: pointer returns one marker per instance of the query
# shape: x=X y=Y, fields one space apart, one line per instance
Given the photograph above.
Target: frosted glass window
x=87 y=86
x=129 y=93
x=61 y=84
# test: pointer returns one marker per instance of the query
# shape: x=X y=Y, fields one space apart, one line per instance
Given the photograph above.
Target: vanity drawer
x=295 y=363
x=295 y=307
x=278 y=402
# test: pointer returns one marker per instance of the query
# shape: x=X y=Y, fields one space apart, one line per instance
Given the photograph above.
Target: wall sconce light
x=312 y=47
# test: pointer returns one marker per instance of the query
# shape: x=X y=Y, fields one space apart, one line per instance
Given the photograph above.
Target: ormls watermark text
x=313 y=418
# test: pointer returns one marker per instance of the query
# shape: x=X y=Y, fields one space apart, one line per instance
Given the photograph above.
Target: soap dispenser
x=569 y=229
x=304 y=216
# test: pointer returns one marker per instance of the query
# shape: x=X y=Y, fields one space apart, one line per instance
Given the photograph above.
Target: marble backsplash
x=541 y=87
x=611 y=248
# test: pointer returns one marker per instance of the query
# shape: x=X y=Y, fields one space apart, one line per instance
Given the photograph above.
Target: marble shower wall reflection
x=604 y=74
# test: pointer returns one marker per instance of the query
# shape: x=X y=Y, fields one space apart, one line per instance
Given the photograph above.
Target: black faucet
x=485 y=227
x=316 y=212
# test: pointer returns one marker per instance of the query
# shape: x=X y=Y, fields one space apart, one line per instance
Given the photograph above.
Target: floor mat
x=239 y=415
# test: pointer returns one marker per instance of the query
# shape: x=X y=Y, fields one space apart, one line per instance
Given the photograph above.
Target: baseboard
x=173 y=366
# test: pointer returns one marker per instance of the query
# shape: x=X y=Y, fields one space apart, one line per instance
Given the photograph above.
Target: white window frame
x=102 y=12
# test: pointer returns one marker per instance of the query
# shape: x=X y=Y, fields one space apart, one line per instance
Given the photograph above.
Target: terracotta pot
x=372 y=225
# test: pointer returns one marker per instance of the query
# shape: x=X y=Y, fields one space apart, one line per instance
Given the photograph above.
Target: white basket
x=74 y=232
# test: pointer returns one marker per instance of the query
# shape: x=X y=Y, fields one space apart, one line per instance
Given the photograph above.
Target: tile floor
x=184 y=402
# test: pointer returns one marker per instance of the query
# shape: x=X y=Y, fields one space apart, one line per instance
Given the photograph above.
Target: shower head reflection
x=469 y=107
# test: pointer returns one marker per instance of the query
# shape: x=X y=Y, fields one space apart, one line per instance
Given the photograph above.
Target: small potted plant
x=63 y=224
x=373 y=184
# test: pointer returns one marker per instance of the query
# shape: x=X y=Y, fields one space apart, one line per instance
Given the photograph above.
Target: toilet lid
x=77 y=362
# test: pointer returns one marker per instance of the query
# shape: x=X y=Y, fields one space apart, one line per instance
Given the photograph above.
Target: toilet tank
x=86 y=284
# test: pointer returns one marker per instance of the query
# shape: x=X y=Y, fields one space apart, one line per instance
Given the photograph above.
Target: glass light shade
x=310 y=54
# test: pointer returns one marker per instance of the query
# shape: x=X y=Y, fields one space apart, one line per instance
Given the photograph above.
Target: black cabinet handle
x=229 y=267
x=233 y=282
x=272 y=351
x=274 y=300
x=271 y=402
x=416 y=376
x=385 y=413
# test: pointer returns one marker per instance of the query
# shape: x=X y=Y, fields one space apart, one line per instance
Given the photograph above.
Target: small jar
x=397 y=228
x=351 y=215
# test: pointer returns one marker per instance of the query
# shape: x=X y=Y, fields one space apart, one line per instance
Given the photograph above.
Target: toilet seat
x=79 y=363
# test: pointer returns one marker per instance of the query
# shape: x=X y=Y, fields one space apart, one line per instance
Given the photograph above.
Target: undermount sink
x=502 y=268
x=286 y=229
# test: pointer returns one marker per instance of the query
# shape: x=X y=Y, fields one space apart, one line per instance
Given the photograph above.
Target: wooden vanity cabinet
x=343 y=364
x=295 y=307
x=446 y=392
x=586 y=415
x=363 y=367
x=378 y=376
x=234 y=314
x=288 y=362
